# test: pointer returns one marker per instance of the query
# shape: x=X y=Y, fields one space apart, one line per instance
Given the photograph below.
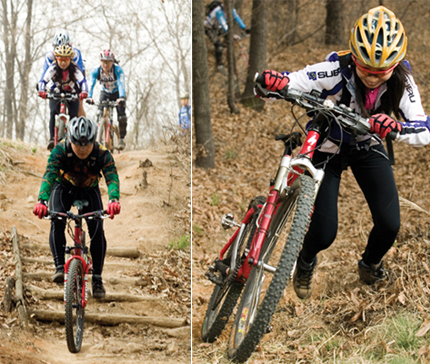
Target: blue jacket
x=110 y=83
x=185 y=117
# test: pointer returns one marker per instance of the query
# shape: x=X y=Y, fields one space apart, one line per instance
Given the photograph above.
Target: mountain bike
x=108 y=133
x=252 y=260
x=62 y=119
x=78 y=266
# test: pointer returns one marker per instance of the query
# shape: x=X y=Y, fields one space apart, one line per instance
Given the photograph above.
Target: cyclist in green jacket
x=73 y=172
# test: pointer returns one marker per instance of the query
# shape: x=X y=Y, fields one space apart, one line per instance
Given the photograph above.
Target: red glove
x=42 y=94
x=120 y=101
x=113 y=208
x=382 y=124
x=41 y=209
x=275 y=81
x=83 y=95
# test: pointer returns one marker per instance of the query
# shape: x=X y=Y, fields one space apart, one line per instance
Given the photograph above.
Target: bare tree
x=334 y=30
x=257 y=52
x=205 y=157
x=232 y=78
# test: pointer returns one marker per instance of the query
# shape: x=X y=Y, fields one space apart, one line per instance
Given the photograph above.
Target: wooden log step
x=112 y=251
x=111 y=320
x=45 y=294
x=45 y=261
x=128 y=281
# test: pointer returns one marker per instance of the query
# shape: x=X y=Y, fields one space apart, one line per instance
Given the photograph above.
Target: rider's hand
x=90 y=101
x=42 y=94
x=113 y=208
x=41 y=209
x=236 y=37
x=275 y=81
x=83 y=95
x=382 y=124
x=247 y=31
x=120 y=101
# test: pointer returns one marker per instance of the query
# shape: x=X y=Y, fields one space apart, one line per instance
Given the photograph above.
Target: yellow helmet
x=63 y=51
x=378 y=38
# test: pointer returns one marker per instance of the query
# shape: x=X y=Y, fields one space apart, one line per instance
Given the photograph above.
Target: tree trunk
x=257 y=52
x=24 y=73
x=205 y=150
x=232 y=78
x=334 y=30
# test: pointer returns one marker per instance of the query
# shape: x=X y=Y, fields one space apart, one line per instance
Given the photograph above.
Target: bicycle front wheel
x=263 y=290
x=74 y=318
x=224 y=298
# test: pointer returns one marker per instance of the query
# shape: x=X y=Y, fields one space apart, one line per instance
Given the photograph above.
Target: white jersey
x=326 y=77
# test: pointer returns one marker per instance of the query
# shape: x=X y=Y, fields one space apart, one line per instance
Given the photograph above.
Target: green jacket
x=74 y=172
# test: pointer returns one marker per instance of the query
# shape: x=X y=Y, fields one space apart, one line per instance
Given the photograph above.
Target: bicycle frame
x=65 y=117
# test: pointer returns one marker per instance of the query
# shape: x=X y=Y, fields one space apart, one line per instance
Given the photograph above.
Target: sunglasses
x=63 y=59
x=368 y=72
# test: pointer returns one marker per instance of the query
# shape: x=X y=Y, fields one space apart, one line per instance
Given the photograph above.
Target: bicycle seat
x=80 y=204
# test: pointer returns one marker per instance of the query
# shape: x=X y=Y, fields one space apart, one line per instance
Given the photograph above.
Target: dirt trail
x=150 y=218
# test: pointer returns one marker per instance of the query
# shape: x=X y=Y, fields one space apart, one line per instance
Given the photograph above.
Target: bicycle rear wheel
x=262 y=294
x=224 y=298
x=74 y=318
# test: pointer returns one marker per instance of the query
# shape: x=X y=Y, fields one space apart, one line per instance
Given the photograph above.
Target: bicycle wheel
x=114 y=137
x=262 y=295
x=224 y=298
x=61 y=128
x=74 y=318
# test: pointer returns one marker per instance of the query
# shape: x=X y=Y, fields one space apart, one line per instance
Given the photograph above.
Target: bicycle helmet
x=61 y=38
x=378 y=38
x=82 y=131
x=63 y=51
x=107 y=55
x=185 y=95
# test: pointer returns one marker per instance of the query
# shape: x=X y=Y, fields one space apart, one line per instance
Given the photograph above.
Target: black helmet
x=82 y=131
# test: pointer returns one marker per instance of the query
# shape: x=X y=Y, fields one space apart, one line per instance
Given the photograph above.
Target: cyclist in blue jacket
x=216 y=25
x=185 y=113
x=62 y=38
x=112 y=80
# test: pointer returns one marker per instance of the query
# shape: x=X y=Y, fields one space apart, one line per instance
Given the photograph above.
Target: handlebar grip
x=260 y=79
x=392 y=135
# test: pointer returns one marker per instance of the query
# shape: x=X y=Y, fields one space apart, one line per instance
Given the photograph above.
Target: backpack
x=100 y=69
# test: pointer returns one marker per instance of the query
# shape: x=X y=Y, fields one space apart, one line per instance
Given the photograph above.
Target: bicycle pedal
x=213 y=278
x=228 y=222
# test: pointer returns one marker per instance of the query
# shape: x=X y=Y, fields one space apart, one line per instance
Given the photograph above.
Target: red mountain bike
x=252 y=260
x=78 y=266
x=62 y=119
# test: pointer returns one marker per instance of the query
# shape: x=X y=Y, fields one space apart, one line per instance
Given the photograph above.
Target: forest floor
x=154 y=219
x=344 y=321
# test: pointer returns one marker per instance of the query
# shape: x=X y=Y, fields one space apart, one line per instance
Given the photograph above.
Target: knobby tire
x=250 y=336
x=216 y=318
x=61 y=130
x=74 y=323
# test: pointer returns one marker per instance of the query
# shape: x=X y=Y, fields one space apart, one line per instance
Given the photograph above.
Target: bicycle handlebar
x=347 y=117
x=95 y=215
x=103 y=103
x=62 y=96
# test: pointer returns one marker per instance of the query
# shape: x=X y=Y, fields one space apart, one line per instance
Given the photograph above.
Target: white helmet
x=61 y=38
x=82 y=131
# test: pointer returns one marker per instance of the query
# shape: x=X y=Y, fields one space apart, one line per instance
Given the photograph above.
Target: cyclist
x=62 y=38
x=73 y=172
x=62 y=76
x=111 y=78
x=216 y=25
x=376 y=82
x=185 y=112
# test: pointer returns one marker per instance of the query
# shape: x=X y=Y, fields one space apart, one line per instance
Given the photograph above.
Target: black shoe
x=51 y=144
x=373 y=273
x=121 y=144
x=58 y=276
x=99 y=291
x=302 y=279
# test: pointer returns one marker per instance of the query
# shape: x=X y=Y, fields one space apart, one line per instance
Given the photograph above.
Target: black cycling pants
x=55 y=110
x=61 y=200
x=120 y=110
x=375 y=177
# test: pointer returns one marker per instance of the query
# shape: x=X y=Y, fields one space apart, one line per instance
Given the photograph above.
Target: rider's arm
x=110 y=173
x=221 y=19
x=48 y=61
x=80 y=80
x=49 y=74
x=78 y=59
x=93 y=80
x=238 y=19
x=416 y=125
x=53 y=171
x=121 y=80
